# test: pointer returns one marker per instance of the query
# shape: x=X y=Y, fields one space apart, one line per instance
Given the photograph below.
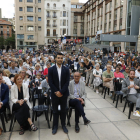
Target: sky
x=8 y=7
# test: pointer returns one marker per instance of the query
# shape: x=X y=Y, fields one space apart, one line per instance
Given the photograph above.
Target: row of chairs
x=119 y=95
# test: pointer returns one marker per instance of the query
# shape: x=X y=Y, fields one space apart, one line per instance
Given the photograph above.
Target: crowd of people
x=66 y=74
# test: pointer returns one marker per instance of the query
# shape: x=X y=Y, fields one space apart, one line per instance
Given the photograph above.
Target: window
x=64 y=22
x=20 y=36
x=64 y=31
x=20 y=0
x=79 y=6
x=39 y=1
x=63 y=5
x=30 y=37
x=54 y=32
x=39 y=18
x=20 y=9
x=48 y=23
x=29 y=9
x=29 y=0
x=21 y=18
x=115 y=15
x=48 y=5
x=64 y=13
x=110 y=5
x=30 y=28
x=122 y=2
x=21 y=27
x=54 y=14
x=73 y=6
x=54 y=23
x=20 y=42
x=39 y=28
x=7 y=27
x=121 y=12
x=54 y=5
x=1 y=26
x=48 y=32
x=29 y=18
x=48 y=14
x=39 y=9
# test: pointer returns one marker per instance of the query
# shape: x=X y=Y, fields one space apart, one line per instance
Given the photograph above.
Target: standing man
x=58 y=77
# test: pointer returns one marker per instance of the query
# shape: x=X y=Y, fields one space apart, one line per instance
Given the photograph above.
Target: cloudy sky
x=8 y=7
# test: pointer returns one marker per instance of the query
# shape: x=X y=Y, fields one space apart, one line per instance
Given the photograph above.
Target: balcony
x=54 y=25
x=48 y=25
x=54 y=16
x=48 y=16
x=30 y=38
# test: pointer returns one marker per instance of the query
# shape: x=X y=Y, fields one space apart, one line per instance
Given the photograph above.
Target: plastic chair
x=118 y=92
x=40 y=108
x=2 y=116
x=131 y=107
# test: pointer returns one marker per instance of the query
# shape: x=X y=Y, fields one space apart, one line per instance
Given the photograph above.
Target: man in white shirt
x=131 y=89
x=137 y=72
x=77 y=99
x=6 y=80
x=58 y=77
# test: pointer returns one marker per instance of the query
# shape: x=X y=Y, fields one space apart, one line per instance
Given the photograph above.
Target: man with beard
x=131 y=89
x=58 y=79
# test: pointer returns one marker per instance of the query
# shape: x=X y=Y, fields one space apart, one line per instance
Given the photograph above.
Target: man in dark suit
x=4 y=97
x=58 y=77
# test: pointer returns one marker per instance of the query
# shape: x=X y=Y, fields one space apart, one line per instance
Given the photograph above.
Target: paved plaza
x=107 y=123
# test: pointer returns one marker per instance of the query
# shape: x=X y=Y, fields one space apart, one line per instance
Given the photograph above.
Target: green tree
x=2 y=41
x=10 y=41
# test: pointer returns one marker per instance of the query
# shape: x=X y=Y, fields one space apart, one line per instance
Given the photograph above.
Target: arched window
x=54 y=5
x=48 y=5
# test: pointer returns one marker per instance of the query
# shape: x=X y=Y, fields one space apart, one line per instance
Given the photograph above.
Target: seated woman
x=20 y=104
x=97 y=80
x=37 y=70
x=118 y=74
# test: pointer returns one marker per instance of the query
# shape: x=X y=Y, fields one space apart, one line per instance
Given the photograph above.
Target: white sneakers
x=136 y=113
x=97 y=91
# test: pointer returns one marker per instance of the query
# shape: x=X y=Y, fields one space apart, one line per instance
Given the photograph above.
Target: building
x=106 y=17
x=77 y=20
x=0 y=13
x=29 y=23
x=5 y=29
x=57 y=20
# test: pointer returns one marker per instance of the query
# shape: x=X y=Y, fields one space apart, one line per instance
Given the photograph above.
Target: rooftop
x=3 y=22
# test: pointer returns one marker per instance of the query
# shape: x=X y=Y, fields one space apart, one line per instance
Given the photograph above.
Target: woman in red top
x=123 y=65
x=46 y=69
x=118 y=74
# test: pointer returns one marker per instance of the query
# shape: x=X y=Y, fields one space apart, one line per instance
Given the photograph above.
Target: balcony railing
x=48 y=16
x=54 y=16
x=48 y=25
x=30 y=38
x=54 y=25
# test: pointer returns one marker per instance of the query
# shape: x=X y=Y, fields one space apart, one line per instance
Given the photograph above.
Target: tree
x=2 y=42
x=10 y=41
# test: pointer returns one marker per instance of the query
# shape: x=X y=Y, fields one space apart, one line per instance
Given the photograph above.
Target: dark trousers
x=79 y=110
x=63 y=103
x=2 y=109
